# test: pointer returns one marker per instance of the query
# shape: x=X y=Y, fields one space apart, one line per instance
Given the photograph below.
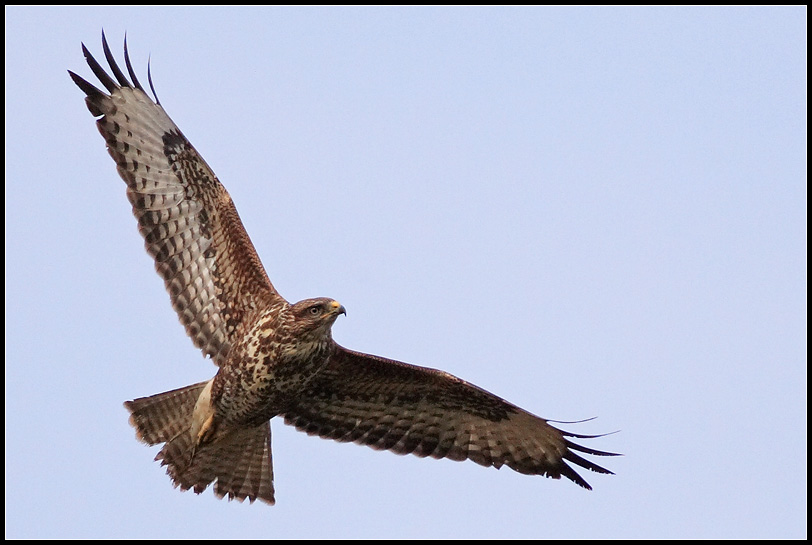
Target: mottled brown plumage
x=275 y=358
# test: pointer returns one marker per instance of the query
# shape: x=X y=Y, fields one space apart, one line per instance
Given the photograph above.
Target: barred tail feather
x=162 y=417
x=240 y=461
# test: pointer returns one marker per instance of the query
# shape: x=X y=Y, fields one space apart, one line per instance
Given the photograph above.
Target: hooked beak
x=338 y=308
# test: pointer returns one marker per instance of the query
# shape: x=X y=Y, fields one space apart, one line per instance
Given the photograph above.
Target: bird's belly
x=258 y=391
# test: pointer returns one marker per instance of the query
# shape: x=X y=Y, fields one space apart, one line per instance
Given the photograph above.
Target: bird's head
x=316 y=314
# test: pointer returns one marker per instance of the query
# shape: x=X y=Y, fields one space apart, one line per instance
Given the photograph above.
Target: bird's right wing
x=189 y=223
x=390 y=405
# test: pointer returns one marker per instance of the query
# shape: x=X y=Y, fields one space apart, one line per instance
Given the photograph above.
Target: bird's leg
x=205 y=435
x=206 y=430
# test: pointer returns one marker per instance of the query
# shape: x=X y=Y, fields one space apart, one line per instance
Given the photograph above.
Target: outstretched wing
x=395 y=406
x=189 y=223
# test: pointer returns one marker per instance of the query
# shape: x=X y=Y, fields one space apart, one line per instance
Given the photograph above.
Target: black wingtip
x=571 y=456
x=149 y=77
x=97 y=69
x=586 y=464
x=130 y=66
x=122 y=79
x=584 y=436
x=88 y=88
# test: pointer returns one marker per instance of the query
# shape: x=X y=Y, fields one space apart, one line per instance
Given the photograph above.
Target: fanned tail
x=239 y=461
x=164 y=417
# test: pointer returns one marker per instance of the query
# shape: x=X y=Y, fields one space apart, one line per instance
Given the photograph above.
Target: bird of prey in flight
x=277 y=358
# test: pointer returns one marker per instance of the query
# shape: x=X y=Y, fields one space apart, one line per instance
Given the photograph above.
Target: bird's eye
x=315 y=311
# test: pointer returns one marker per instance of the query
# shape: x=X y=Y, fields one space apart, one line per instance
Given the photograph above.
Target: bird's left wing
x=187 y=218
x=390 y=405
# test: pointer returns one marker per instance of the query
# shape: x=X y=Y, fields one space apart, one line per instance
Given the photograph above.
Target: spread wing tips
x=570 y=473
x=571 y=456
x=106 y=80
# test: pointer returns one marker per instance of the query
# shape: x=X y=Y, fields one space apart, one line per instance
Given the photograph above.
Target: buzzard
x=276 y=358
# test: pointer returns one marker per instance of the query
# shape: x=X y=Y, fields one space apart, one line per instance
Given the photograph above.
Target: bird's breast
x=259 y=379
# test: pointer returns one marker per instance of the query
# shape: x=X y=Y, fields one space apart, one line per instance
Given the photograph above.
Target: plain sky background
x=589 y=212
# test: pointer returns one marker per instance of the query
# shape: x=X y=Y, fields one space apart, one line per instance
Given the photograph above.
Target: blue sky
x=589 y=212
